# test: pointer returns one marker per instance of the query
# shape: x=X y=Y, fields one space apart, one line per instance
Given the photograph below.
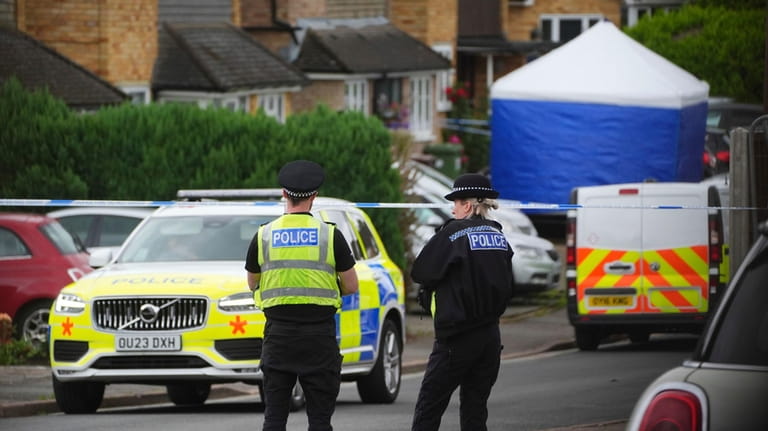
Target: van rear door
x=638 y=253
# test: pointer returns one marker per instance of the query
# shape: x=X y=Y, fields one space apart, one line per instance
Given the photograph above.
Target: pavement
x=525 y=330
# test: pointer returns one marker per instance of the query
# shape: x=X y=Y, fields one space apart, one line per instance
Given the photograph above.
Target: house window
x=137 y=95
x=636 y=13
x=421 y=107
x=356 y=95
x=445 y=78
x=562 y=28
x=388 y=104
x=273 y=106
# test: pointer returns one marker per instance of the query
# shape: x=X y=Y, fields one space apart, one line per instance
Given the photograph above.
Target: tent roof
x=603 y=65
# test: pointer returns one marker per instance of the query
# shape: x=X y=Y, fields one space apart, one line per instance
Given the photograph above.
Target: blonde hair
x=482 y=206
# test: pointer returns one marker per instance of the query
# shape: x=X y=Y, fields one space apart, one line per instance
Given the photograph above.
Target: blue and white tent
x=601 y=109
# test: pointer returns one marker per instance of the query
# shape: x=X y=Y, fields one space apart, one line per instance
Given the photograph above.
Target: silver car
x=724 y=385
x=536 y=264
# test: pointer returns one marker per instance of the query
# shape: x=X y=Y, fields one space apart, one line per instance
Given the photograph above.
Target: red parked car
x=38 y=257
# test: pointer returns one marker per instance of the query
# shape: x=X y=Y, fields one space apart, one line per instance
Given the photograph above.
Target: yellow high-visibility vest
x=297 y=263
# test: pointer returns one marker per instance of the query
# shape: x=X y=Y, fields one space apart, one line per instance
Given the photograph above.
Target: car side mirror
x=100 y=258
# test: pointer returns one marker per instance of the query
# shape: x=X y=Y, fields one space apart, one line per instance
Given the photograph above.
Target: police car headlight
x=69 y=304
x=242 y=301
x=527 y=252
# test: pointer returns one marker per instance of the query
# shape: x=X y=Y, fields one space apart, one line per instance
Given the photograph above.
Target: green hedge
x=723 y=46
x=133 y=152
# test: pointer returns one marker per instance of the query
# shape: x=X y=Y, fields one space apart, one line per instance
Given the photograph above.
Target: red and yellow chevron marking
x=679 y=285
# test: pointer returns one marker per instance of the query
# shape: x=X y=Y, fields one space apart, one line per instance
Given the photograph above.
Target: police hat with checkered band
x=472 y=186
x=301 y=178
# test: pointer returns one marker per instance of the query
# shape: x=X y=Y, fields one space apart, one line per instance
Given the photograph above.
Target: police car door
x=349 y=327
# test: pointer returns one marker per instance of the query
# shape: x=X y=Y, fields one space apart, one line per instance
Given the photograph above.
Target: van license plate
x=610 y=301
x=148 y=343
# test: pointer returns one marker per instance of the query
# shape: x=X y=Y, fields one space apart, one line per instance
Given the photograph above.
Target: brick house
x=123 y=42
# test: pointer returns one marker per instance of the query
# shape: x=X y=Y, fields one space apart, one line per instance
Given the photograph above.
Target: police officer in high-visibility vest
x=299 y=267
x=466 y=275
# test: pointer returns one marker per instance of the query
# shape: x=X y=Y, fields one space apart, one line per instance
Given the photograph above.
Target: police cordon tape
x=517 y=205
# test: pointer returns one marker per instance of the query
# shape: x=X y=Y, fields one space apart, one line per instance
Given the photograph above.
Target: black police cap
x=301 y=178
x=472 y=186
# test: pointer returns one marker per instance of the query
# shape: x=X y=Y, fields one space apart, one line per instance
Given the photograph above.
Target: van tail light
x=570 y=241
x=715 y=239
x=672 y=410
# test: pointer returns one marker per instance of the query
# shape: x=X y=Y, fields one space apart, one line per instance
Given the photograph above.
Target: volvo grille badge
x=149 y=313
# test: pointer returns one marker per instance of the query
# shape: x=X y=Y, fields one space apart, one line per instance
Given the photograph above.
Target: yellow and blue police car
x=173 y=308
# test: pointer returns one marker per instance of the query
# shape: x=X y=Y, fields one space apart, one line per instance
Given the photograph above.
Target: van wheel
x=383 y=383
x=587 y=338
x=297 y=402
x=188 y=394
x=78 y=397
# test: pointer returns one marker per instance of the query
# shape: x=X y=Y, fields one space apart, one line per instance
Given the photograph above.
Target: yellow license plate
x=610 y=301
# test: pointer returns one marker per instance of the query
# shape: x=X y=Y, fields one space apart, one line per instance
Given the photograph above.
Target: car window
x=11 y=245
x=340 y=219
x=60 y=238
x=369 y=242
x=78 y=225
x=742 y=335
x=115 y=229
x=192 y=238
x=713 y=119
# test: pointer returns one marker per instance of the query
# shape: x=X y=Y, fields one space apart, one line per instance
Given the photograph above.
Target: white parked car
x=101 y=227
x=430 y=180
x=536 y=264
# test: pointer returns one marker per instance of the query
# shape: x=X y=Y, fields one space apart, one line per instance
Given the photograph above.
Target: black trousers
x=312 y=360
x=471 y=361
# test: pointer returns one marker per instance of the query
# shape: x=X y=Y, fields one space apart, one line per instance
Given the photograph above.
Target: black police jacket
x=468 y=265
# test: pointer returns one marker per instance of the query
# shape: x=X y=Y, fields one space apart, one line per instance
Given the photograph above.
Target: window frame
x=556 y=19
x=273 y=105
x=421 y=107
x=445 y=78
x=356 y=97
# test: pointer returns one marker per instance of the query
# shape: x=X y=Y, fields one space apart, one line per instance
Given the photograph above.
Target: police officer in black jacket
x=466 y=275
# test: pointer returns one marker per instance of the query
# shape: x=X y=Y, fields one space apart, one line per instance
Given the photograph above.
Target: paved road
x=526 y=330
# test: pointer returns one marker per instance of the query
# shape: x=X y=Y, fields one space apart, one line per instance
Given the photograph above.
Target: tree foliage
x=131 y=152
x=723 y=46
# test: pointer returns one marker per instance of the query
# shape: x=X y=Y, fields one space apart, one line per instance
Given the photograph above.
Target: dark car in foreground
x=38 y=257
x=724 y=385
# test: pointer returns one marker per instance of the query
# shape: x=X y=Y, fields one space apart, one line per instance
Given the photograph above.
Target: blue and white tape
x=517 y=205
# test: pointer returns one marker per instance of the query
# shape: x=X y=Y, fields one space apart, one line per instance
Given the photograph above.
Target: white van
x=642 y=258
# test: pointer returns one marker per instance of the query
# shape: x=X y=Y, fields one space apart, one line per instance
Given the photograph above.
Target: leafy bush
x=723 y=46
x=19 y=352
x=131 y=152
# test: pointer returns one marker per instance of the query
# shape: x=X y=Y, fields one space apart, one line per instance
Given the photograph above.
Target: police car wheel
x=382 y=385
x=185 y=394
x=78 y=397
x=587 y=338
